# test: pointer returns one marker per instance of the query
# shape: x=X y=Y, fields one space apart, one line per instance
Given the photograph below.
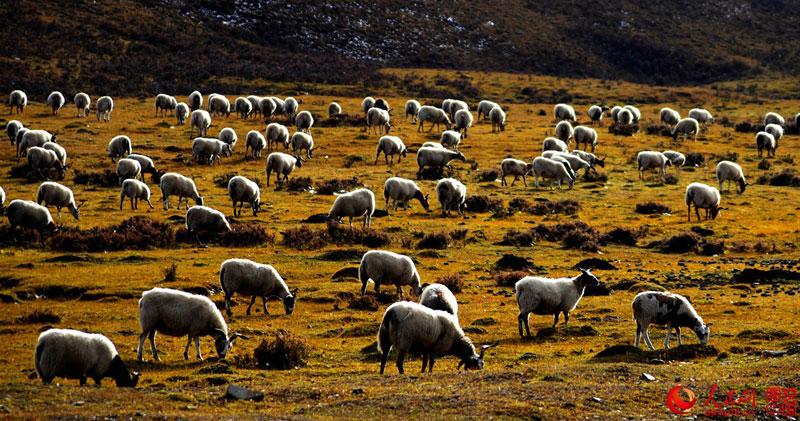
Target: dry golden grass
x=513 y=383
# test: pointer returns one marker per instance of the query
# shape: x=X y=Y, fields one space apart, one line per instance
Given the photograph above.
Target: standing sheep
x=209 y=148
x=202 y=219
x=390 y=146
x=17 y=100
x=437 y=158
x=290 y=107
x=128 y=168
x=41 y=161
x=30 y=138
x=635 y=113
x=165 y=103
x=12 y=128
x=452 y=195
x=382 y=104
x=498 y=118
x=243 y=107
x=242 y=190
x=229 y=136
x=545 y=296
x=554 y=170
x=268 y=108
x=119 y=147
x=30 y=216
x=564 y=131
x=401 y=190
x=776 y=131
x=433 y=116
x=677 y=160
x=379 y=120
x=195 y=100
x=55 y=100
x=596 y=113
x=439 y=297
x=625 y=117
x=60 y=196
x=456 y=106
x=554 y=144
x=591 y=158
x=302 y=142
x=147 y=165
x=219 y=105
x=181 y=113
x=585 y=136
x=254 y=280
x=278 y=134
x=773 y=118
x=82 y=103
x=2 y=201
x=334 y=109
x=254 y=141
x=648 y=160
x=304 y=120
x=563 y=112
x=686 y=127
x=666 y=309
x=574 y=162
x=731 y=171
x=669 y=116
x=766 y=141
x=174 y=184
x=357 y=203
x=366 y=104
x=412 y=108
x=104 y=107
x=702 y=196
x=450 y=139
x=463 y=121
x=135 y=190
x=485 y=107
x=255 y=104
x=517 y=168
x=283 y=164
x=61 y=153
x=386 y=267
x=702 y=116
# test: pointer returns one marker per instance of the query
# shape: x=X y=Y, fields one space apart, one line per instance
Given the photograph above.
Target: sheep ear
x=484 y=347
x=294 y=292
x=460 y=364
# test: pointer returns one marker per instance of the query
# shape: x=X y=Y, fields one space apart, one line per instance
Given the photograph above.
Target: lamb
x=290 y=107
x=452 y=195
x=78 y=355
x=30 y=138
x=776 y=131
x=41 y=161
x=563 y=112
x=433 y=116
x=731 y=171
x=255 y=280
x=135 y=190
x=17 y=99
x=378 y=119
x=625 y=117
x=128 y=168
x=181 y=113
x=304 y=120
x=178 y=313
x=229 y=136
x=390 y=146
x=104 y=107
x=195 y=100
x=278 y=134
x=119 y=146
x=381 y=104
x=147 y=165
x=360 y=202
x=669 y=116
x=82 y=103
x=209 y=148
x=219 y=105
x=202 y=219
x=677 y=160
x=12 y=128
x=436 y=158
x=596 y=112
x=564 y=131
x=283 y=164
x=366 y=104
x=773 y=118
x=55 y=100
x=334 y=109
x=702 y=116
x=463 y=121
x=686 y=127
x=554 y=170
x=386 y=267
x=60 y=196
x=165 y=103
x=591 y=158
x=554 y=144
x=174 y=184
x=554 y=296
x=766 y=141
x=450 y=139
x=647 y=160
x=243 y=107
x=30 y=216
x=302 y=141
x=575 y=162
x=666 y=309
x=412 y=108
x=401 y=190
x=268 y=107
x=456 y=106
x=515 y=167
x=485 y=108
x=585 y=136
x=61 y=153
x=242 y=190
x=201 y=120
x=498 y=118
x=256 y=142
x=635 y=113
x=439 y=297
x=702 y=196
x=412 y=327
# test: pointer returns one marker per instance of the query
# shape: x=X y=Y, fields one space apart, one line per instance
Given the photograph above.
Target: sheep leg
x=689 y=213
x=197 y=347
x=503 y=180
x=264 y=301
x=697 y=212
x=522 y=318
x=555 y=320
x=152 y=337
x=384 y=357
x=678 y=332
x=253 y=301
x=141 y=346
x=83 y=380
x=149 y=204
x=647 y=338
x=430 y=364
x=637 y=335
x=516 y=177
x=228 y=296
x=524 y=181
x=666 y=339
x=424 y=362
x=121 y=201
x=135 y=203
x=186 y=348
x=566 y=318
x=401 y=356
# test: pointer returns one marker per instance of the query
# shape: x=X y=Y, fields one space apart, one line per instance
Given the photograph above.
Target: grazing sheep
x=731 y=171
x=401 y=190
x=382 y=104
x=104 y=107
x=165 y=103
x=776 y=131
x=255 y=280
x=686 y=127
x=283 y=164
x=55 y=100
x=766 y=141
x=439 y=297
x=648 y=160
x=243 y=107
x=463 y=121
x=280 y=105
x=702 y=116
x=302 y=141
x=82 y=103
x=61 y=153
x=666 y=309
x=278 y=134
x=450 y=139
x=554 y=296
x=615 y=113
x=30 y=216
x=135 y=190
x=452 y=195
x=386 y=267
x=201 y=120
x=564 y=112
x=219 y=105
x=147 y=164
x=564 y=131
x=432 y=145
x=702 y=196
x=60 y=196
x=255 y=104
x=773 y=118
x=202 y=219
x=357 y=203
x=12 y=128
x=517 y=168
x=446 y=103
x=41 y=161
x=128 y=168
x=554 y=144
x=255 y=141
x=575 y=162
x=412 y=327
x=79 y=355
x=242 y=190
x=18 y=139
x=498 y=118
x=195 y=100
x=677 y=160
x=119 y=146
x=433 y=116
x=174 y=184
x=268 y=107
x=669 y=116
x=436 y=158
x=378 y=119
x=412 y=108
x=178 y=313
x=290 y=107
x=625 y=117
x=209 y=148
x=229 y=136
x=585 y=136
x=591 y=158
x=596 y=113
x=181 y=113
x=390 y=146
x=485 y=108
x=635 y=113
x=552 y=169
x=17 y=99
x=30 y=138
x=366 y=104
x=334 y=109
x=456 y=106
x=304 y=120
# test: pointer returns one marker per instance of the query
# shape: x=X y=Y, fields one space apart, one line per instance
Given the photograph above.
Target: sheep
x=242 y=190
x=41 y=161
x=412 y=327
x=666 y=309
x=30 y=216
x=596 y=113
x=731 y=171
x=128 y=168
x=485 y=108
x=575 y=162
x=552 y=169
x=2 y=201
x=554 y=296
x=776 y=131
x=773 y=118
x=165 y=103
x=17 y=99
x=378 y=119
x=360 y=202
x=498 y=118
x=436 y=158
x=255 y=280
x=304 y=120
x=554 y=144
x=401 y=190
x=591 y=158
x=219 y=105
x=450 y=139
x=797 y=120
x=278 y=134
x=635 y=113
x=181 y=113
x=686 y=127
x=255 y=104
x=647 y=160
x=202 y=219
x=243 y=107
x=268 y=107
x=280 y=105
x=702 y=196
x=61 y=153
x=439 y=297
x=625 y=117
x=229 y=136
x=209 y=148
x=702 y=116
x=463 y=121
x=432 y=145
x=334 y=109
x=366 y=104
x=677 y=160
x=195 y=100
x=452 y=195
x=60 y=196
x=30 y=138
x=290 y=106
x=12 y=128
x=564 y=112
x=119 y=146
x=412 y=108
x=564 y=131
x=174 y=184
x=82 y=103
x=766 y=141
x=456 y=106
x=255 y=141
x=390 y=146
x=78 y=355
x=669 y=116
x=283 y=164
x=386 y=267
x=178 y=313
x=585 y=136
x=104 y=107
x=433 y=116
x=147 y=165
x=382 y=104
x=446 y=103
x=135 y=190
x=55 y=100
x=615 y=113
x=515 y=167
x=201 y=120
x=302 y=141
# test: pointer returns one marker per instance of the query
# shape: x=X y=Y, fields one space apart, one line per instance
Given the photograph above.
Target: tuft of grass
x=366 y=302
x=136 y=233
x=787 y=177
x=43 y=316
x=483 y=204
x=652 y=208
x=434 y=240
x=453 y=281
x=170 y=273
x=303 y=238
x=336 y=185
x=284 y=352
x=509 y=278
x=105 y=178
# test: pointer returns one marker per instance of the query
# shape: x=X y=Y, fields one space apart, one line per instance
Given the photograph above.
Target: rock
x=216 y=369
x=242 y=394
x=595 y=263
x=358 y=391
x=512 y=262
x=596 y=399
x=773 y=354
x=656 y=361
x=648 y=377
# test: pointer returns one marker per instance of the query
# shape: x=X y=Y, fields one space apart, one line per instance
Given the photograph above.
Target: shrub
x=764 y=165
x=652 y=208
x=748 y=127
x=222 y=179
x=295 y=184
x=39 y=317
x=303 y=238
x=244 y=235
x=787 y=177
x=335 y=185
x=566 y=207
x=489 y=175
x=670 y=179
x=459 y=235
x=483 y=204
x=678 y=243
x=595 y=177
x=106 y=178
x=170 y=273
x=623 y=129
x=454 y=282
x=658 y=129
x=694 y=159
x=727 y=156
x=21 y=171
x=285 y=352
x=518 y=238
x=620 y=235
x=350 y=160
x=365 y=302
x=436 y=240
x=138 y=232
x=340 y=234
x=711 y=247
x=508 y=278
x=341 y=120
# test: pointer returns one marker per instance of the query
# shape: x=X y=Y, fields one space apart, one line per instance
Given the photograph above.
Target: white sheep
x=379 y=120
x=105 y=105
x=596 y=112
x=554 y=144
x=446 y=103
x=202 y=219
x=174 y=184
x=195 y=100
x=517 y=168
x=702 y=116
x=147 y=165
x=302 y=142
x=165 y=103
x=134 y=190
x=702 y=196
x=243 y=107
x=219 y=105
x=648 y=160
x=432 y=145
x=255 y=104
x=290 y=106
x=552 y=169
x=278 y=134
x=256 y=143
x=181 y=113
x=585 y=136
x=439 y=297
x=766 y=141
x=463 y=121
x=401 y=191
x=55 y=100
x=731 y=171
x=12 y=127
x=366 y=104
x=554 y=296
x=30 y=216
x=686 y=127
x=334 y=109
x=390 y=146
x=252 y=279
x=564 y=112
x=61 y=153
x=776 y=131
x=128 y=168
x=635 y=113
x=625 y=117
x=498 y=118
x=268 y=107
x=18 y=139
x=41 y=161
x=485 y=108
x=119 y=147
x=283 y=164
x=178 y=313
x=242 y=190
x=615 y=113
x=382 y=104
x=304 y=120
x=229 y=136
x=452 y=195
x=17 y=99
x=591 y=158
x=280 y=105
x=207 y=148
x=357 y=203
x=438 y=158
x=450 y=139
x=773 y=118
x=669 y=116
x=575 y=162
x=412 y=108
x=385 y=267
x=433 y=116
x=564 y=131
x=82 y=103
x=60 y=196
x=677 y=160
x=79 y=355
x=456 y=106
x=30 y=138
x=666 y=309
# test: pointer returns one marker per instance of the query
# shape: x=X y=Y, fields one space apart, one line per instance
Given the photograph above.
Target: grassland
x=551 y=377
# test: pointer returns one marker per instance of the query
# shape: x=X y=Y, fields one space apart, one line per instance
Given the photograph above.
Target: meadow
x=740 y=276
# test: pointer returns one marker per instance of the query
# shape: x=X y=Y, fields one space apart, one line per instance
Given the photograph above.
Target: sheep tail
x=689 y=197
x=222 y=281
x=38 y=358
x=384 y=337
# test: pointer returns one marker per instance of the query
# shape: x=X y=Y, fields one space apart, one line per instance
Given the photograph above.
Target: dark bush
x=620 y=235
x=304 y=238
x=509 y=278
x=138 y=232
x=483 y=204
x=652 y=208
x=222 y=179
x=623 y=129
x=678 y=243
x=295 y=184
x=566 y=207
x=747 y=127
x=105 y=178
x=582 y=240
x=342 y=120
x=595 y=177
x=244 y=235
x=436 y=240
x=727 y=156
x=489 y=175
x=335 y=185
x=170 y=273
x=711 y=247
x=658 y=129
x=787 y=177
x=518 y=238
x=670 y=178
x=519 y=204
x=341 y=234
x=454 y=282
x=39 y=317
x=350 y=160
x=285 y=352
x=433 y=173
x=510 y=262
x=764 y=165
x=21 y=171
x=365 y=302
x=694 y=159
x=459 y=235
